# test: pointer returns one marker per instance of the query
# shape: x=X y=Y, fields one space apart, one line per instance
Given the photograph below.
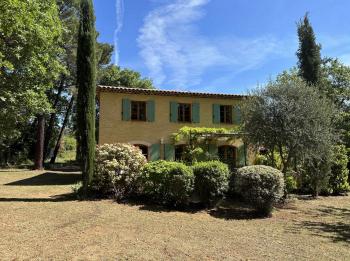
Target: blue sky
x=226 y=46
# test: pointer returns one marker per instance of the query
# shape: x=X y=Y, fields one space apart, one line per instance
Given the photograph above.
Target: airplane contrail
x=119 y=7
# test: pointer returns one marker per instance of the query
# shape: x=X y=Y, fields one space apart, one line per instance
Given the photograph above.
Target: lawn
x=39 y=220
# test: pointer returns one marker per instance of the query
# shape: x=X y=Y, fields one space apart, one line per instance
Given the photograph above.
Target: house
x=148 y=118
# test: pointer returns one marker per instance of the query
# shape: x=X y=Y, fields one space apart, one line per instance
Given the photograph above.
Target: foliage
x=259 y=185
x=115 y=76
x=211 y=180
x=168 y=183
x=86 y=82
x=30 y=36
x=290 y=181
x=309 y=56
x=338 y=180
x=117 y=169
x=197 y=140
x=265 y=159
x=289 y=117
x=67 y=149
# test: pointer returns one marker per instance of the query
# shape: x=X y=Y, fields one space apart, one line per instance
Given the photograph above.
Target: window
x=179 y=152
x=138 y=110
x=144 y=149
x=227 y=154
x=226 y=114
x=184 y=112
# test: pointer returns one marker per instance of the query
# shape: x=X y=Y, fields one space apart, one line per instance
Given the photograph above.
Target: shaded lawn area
x=40 y=220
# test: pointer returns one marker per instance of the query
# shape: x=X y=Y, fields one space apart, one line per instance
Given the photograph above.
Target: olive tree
x=290 y=118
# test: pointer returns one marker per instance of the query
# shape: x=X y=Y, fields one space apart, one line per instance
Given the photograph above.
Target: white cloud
x=178 y=55
x=119 y=7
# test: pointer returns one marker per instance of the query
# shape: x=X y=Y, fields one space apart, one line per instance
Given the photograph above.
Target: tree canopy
x=290 y=117
x=30 y=37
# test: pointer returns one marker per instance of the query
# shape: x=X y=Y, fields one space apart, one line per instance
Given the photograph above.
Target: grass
x=40 y=220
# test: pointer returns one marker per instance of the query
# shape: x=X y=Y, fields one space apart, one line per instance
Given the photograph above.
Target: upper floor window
x=138 y=110
x=184 y=112
x=226 y=114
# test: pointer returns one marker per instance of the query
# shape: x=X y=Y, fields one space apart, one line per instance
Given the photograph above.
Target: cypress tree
x=309 y=55
x=86 y=83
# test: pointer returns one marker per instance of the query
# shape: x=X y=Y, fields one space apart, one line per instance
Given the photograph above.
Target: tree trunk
x=50 y=126
x=58 y=143
x=39 y=146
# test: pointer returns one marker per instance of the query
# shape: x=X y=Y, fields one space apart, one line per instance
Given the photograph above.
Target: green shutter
x=195 y=112
x=213 y=149
x=169 y=152
x=237 y=115
x=216 y=113
x=155 y=152
x=126 y=110
x=173 y=111
x=150 y=111
x=241 y=156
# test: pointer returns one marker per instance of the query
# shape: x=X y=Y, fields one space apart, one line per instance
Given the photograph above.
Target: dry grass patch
x=39 y=221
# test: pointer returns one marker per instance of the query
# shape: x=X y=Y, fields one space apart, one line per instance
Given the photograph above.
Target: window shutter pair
x=236 y=115
x=126 y=110
x=174 y=112
x=169 y=152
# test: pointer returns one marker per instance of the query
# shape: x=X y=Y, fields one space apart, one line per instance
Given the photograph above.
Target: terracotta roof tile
x=102 y=88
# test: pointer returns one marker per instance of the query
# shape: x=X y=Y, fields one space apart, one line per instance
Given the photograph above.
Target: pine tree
x=86 y=82
x=309 y=55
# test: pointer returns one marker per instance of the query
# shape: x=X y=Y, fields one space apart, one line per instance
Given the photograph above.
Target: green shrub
x=117 y=169
x=211 y=180
x=338 y=180
x=290 y=181
x=259 y=185
x=167 y=183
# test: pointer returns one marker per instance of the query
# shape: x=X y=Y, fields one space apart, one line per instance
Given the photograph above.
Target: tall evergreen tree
x=86 y=82
x=309 y=55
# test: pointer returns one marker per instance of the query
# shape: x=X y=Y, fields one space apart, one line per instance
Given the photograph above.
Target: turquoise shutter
x=216 y=113
x=213 y=150
x=155 y=152
x=169 y=152
x=241 y=156
x=173 y=111
x=126 y=109
x=150 y=111
x=195 y=112
x=237 y=115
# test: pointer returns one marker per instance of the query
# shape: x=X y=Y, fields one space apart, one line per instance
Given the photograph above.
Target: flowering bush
x=117 y=169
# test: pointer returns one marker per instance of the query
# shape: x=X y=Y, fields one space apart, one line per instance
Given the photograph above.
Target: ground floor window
x=227 y=154
x=143 y=148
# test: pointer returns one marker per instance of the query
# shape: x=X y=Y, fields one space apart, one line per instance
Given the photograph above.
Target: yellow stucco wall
x=113 y=129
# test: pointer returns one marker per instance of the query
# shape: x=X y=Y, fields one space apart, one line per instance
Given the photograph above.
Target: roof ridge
x=166 y=92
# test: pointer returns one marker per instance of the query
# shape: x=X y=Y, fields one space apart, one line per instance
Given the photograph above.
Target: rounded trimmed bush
x=211 y=180
x=167 y=183
x=260 y=185
x=117 y=169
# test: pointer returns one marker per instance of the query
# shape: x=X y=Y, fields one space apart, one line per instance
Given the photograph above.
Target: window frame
x=227 y=114
x=181 y=117
x=138 y=113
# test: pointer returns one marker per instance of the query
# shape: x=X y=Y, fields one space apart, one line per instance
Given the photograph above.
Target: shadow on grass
x=56 y=198
x=224 y=209
x=338 y=230
x=48 y=178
